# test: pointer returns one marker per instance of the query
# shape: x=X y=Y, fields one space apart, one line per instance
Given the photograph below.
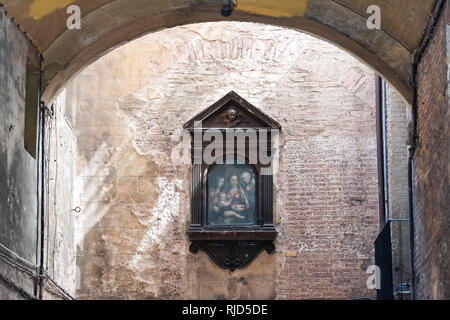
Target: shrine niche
x=232 y=182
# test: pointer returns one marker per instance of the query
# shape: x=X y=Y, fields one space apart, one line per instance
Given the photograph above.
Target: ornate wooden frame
x=231 y=247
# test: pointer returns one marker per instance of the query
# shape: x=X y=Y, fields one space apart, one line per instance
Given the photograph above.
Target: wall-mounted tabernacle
x=232 y=182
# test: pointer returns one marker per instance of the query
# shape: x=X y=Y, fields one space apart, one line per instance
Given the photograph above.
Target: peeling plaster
x=165 y=211
x=91 y=213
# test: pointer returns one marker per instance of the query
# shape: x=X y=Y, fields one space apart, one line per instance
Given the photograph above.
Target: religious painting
x=231 y=195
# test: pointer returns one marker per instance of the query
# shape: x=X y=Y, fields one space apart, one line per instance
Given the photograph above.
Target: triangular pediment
x=233 y=111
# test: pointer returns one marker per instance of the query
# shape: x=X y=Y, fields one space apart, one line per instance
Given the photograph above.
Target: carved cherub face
x=232 y=114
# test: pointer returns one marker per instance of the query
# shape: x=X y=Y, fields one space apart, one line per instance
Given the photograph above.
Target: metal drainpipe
x=383 y=195
x=385 y=160
x=42 y=272
x=380 y=153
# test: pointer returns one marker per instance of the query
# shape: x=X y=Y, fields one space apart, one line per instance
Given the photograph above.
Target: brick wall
x=128 y=112
x=431 y=170
x=397 y=113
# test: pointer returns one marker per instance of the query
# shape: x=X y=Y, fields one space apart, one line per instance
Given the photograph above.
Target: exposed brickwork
x=328 y=213
x=431 y=171
x=397 y=155
x=130 y=108
x=397 y=112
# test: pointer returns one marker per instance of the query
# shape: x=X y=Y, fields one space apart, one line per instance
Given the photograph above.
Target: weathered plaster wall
x=60 y=248
x=431 y=169
x=19 y=208
x=18 y=195
x=128 y=112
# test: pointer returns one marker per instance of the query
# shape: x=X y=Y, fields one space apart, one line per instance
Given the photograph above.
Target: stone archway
x=107 y=24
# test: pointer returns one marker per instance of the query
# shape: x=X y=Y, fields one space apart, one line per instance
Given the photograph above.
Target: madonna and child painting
x=231 y=195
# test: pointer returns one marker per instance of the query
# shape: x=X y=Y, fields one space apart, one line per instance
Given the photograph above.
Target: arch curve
x=107 y=24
